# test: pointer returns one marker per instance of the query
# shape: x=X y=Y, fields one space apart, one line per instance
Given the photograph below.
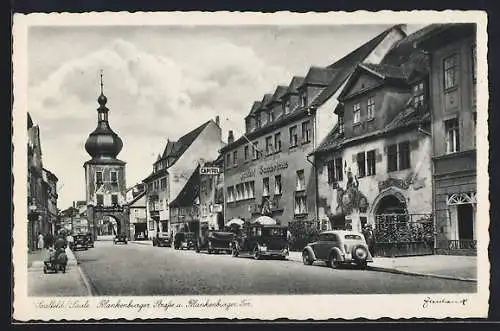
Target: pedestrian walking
x=40 y=244
x=49 y=240
x=370 y=238
x=60 y=243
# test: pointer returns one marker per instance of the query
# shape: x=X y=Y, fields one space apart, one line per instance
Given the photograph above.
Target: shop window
x=356 y=111
x=452 y=136
x=360 y=158
x=277 y=142
x=293 y=136
x=265 y=186
x=370 y=163
x=450 y=71
x=277 y=185
x=370 y=108
x=306 y=132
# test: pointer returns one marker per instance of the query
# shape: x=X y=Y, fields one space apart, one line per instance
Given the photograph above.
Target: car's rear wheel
x=306 y=258
x=333 y=260
x=256 y=253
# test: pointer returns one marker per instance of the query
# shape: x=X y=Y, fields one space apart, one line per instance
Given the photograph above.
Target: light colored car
x=338 y=247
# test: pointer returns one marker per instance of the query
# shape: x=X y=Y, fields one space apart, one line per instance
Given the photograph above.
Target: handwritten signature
x=428 y=301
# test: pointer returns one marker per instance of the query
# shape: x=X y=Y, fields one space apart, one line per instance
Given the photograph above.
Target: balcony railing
x=462 y=244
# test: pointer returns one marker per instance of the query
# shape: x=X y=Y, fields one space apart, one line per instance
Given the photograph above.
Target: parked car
x=79 y=242
x=120 y=238
x=184 y=240
x=162 y=239
x=214 y=241
x=338 y=247
x=262 y=240
x=90 y=240
x=140 y=236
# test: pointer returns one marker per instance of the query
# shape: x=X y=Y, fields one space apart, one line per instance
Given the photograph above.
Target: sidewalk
x=71 y=283
x=439 y=266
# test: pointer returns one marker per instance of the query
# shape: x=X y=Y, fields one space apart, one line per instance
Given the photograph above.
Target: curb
x=85 y=281
x=145 y=243
x=400 y=272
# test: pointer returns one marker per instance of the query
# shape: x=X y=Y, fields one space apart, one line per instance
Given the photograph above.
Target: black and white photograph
x=250 y=165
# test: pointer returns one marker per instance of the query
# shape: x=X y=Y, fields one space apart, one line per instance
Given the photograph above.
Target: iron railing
x=462 y=244
x=399 y=228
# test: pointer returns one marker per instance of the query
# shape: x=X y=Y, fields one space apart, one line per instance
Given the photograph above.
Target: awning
x=235 y=221
x=265 y=220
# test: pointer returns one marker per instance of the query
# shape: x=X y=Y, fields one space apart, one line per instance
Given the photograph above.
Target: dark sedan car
x=120 y=238
x=162 y=239
x=79 y=242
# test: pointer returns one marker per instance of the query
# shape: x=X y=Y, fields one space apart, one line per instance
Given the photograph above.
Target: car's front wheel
x=306 y=258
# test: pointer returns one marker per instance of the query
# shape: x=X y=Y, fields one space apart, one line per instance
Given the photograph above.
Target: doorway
x=465 y=220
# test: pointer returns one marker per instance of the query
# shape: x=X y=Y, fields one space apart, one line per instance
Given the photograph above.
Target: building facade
x=375 y=167
x=212 y=194
x=452 y=48
x=269 y=170
x=105 y=174
x=172 y=169
x=50 y=180
x=136 y=214
x=185 y=208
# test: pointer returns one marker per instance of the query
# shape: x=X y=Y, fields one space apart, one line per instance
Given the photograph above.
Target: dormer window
x=287 y=106
x=303 y=99
x=270 y=116
x=356 y=111
x=418 y=95
x=258 y=123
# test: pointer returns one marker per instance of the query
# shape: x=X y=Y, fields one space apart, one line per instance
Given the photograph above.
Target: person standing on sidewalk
x=370 y=238
x=40 y=244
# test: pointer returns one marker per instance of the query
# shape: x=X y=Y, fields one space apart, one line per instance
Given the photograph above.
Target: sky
x=161 y=82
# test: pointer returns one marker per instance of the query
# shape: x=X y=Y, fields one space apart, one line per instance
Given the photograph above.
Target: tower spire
x=101 y=82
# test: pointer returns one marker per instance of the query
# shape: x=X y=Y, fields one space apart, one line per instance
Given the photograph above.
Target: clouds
x=151 y=97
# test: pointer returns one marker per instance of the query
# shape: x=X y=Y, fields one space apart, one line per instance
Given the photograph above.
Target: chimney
x=230 y=137
x=217 y=120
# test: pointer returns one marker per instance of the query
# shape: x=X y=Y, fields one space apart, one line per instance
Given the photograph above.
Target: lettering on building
x=272 y=168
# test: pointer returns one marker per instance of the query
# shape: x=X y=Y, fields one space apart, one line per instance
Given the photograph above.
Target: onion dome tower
x=103 y=142
x=105 y=175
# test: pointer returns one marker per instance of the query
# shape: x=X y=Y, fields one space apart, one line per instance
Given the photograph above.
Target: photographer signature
x=428 y=301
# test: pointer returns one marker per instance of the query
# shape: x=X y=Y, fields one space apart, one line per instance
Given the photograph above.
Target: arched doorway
x=108 y=226
x=391 y=204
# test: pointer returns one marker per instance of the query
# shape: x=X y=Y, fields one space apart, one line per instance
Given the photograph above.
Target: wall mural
x=351 y=198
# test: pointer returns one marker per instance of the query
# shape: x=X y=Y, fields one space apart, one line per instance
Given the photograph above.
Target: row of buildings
x=384 y=136
x=42 y=190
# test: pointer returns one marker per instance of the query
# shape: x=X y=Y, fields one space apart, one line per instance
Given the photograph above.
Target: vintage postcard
x=250 y=166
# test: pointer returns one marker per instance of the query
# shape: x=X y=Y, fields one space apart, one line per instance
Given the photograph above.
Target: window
x=270 y=116
x=392 y=158
x=156 y=185
x=258 y=123
x=306 y=132
x=230 y=194
x=334 y=167
x=474 y=63
x=277 y=142
x=293 y=136
x=163 y=183
x=452 y=138
x=265 y=186
x=360 y=158
x=161 y=204
x=287 y=106
x=269 y=145
x=228 y=160
x=450 y=72
x=301 y=181
x=370 y=108
x=277 y=185
x=100 y=199
x=418 y=95
x=404 y=155
x=98 y=177
x=249 y=190
x=114 y=177
x=303 y=99
x=370 y=163
x=235 y=158
x=300 y=204
x=356 y=111
x=341 y=124
x=255 y=150
x=239 y=192
x=246 y=153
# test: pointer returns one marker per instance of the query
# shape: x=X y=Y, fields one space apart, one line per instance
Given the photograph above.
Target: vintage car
x=214 y=241
x=120 y=238
x=338 y=247
x=262 y=240
x=184 y=240
x=79 y=242
x=90 y=240
x=162 y=239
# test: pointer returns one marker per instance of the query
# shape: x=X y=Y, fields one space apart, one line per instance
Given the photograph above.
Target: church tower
x=105 y=174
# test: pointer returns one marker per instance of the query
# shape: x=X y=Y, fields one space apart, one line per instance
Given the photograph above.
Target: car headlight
x=230 y=245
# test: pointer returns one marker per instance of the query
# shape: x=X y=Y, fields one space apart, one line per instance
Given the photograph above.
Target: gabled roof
x=294 y=85
x=266 y=100
x=318 y=76
x=278 y=93
x=385 y=71
x=189 y=192
x=346 y=66
x=137 y=197
x=255 y=107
